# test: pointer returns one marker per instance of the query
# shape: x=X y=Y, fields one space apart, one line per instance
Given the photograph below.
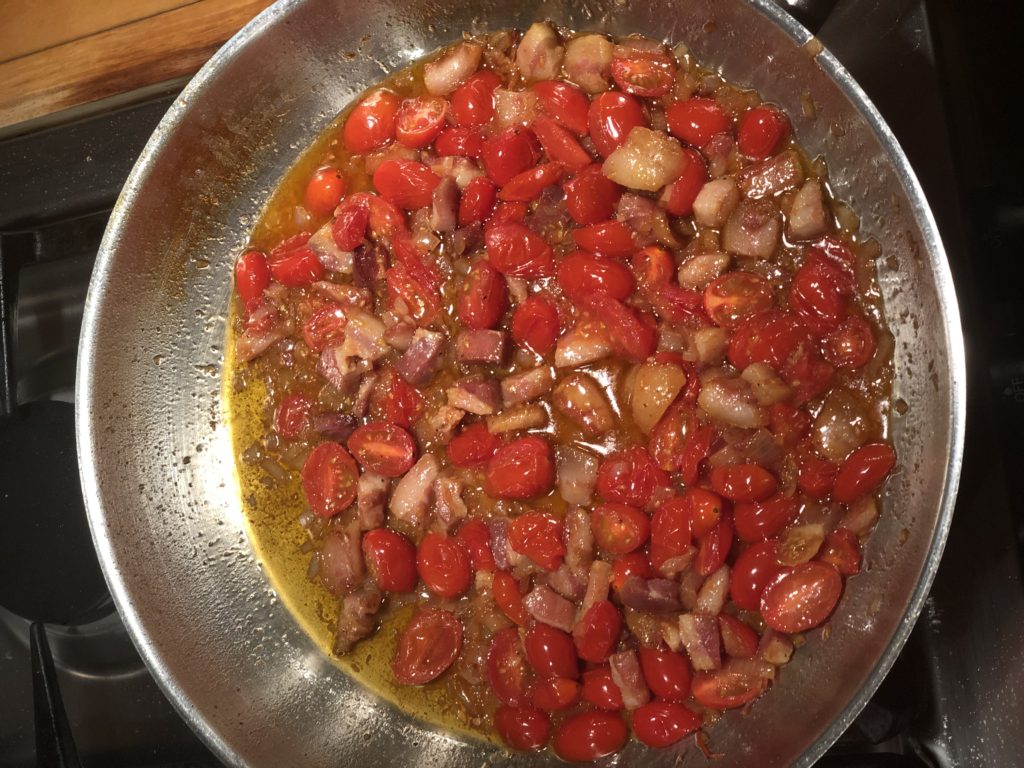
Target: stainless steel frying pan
x=156 y=459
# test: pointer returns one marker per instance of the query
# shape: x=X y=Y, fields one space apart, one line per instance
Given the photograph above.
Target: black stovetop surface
x=939 y=73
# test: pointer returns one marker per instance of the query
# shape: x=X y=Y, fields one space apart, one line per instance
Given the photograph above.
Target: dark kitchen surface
x=940 y=74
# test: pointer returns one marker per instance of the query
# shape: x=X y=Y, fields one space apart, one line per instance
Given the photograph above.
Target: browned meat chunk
x=550 y=608
x=356 y=619
x=413 y=495
x=418 y=362
x=480 y=347
x=580 y=398
x=769 y=177
x=525 y=386
x=371 y=498
x=449 y=508
x=340 y=559
x=477 y=394
x=629 y=678
x=650 y=595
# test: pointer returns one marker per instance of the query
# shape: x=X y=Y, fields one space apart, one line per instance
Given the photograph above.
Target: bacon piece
x=700 y=635
x=598 y=583
x=714 y=592
x=581 y=399
x=579 y=539
x=343 y=293
x=550 y=608
x=627 y=675
x=413 y=494
x=518 y=417
x=716 y=200
x=540 y=53
x=720 y=152
x=808 y=216
x=577 y=474
x=369 y=264
x=371 y=498
x=361 y=404
x=771 y=176
x=444 y=206
x=650 y=595
x=498 y=527
x=334 y=425
x=417 y=363
x=569 y=582
x=452 y=68
x=449 y=508
x=648 y=219
x=480 y=346
x=439 y=425
x=327 y=251
x=586 y=342
x=356 y=619
x=476 y=394
x=775 y=647
x=340 y=557
x=527 y=385
x=753 y=230
x=697 y=271
x=588 y=62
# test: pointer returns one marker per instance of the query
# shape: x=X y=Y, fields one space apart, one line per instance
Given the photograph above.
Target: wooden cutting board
x=63 y=54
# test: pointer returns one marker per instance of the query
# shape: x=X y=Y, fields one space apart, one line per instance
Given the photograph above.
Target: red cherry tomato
x=696 y=448
x=761 y=131
x=506 y=669
x=535 y=325
x=555 y=694
x=459 y=142
x=518 y=251
x=522 y=728
x=325 y=325
x=733 y=297
x=597 y=633
x=507 y=211
x=816 y=476
x=484 y=297
x=801 y=598
x=371 y=123
x=670 y=535
x=644 y=73
x=696 y=120
x=560 y=145
x=619 y=528
x=757 y=521
x=329 y=479
x=772 y=337
x=633 y=335
x=538 y=535
x=508 y=153
x=816 y=295
x=391 y=560
x=851 y=345
x=606 y=238
x=841 y=550
x=629 y=477
x=587 y=736
x=612 y=116
x=252 y=276
x=350 y=222
x=521 y=469
x=509 y=598
x=473 y=446
x=633 y=564
x=590 y=196
x=473 y=101
x=383 y=448
x=704 y=510
x=420 y=120
x=427 y=647
x=527 y=186
x=680 y=194
x=789 y=424
x=738 y=639
x=863 y=471
x=755 y=567
x=294 y=264
x=730 y=687
x=475 y=538
x=580 y=274
x=667 y=673
x=663 y=723
x=324 y=191
x=600 y=689
x=405 y=183
x=566 y=104
x=713 y=548
x=743 y=482
x=477 y=201
x=403 y=405
x=443 y=565
x=809 y=376
x=551 y=652
x=292 y=415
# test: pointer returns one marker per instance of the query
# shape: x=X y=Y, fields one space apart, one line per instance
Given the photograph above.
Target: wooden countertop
x=61 y=56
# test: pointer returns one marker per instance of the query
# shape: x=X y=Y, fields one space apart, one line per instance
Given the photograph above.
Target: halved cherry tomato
x=516 y=250
x=629 y=477
x=475 y=538
x=473 y=101
x=506 y=669
x=774 y=338
x=732 y=686
x=405 y=183
x=559 y=144
x=565 y=104
x=325 y=325
x=292 y=415
x=754 y=568
x=477 y=201
x=403 y=404
x=391 y=560
x=522 y=728
x=589 y=735
x=738 y=639
x=600 y=689
x=554 y=694
x=663 y=723
x=634 y=335
x=761 y=131
x=538 y=535
x=644 y=73
x=324 y=191
x=713 y=549
x=371 y=123
x=590 y=196
x=735 y=296
x=696 y=120
x=667 y=673
x=473 y=446
x=294 y=264
x=801 y=598
x=757 y=521
x=655 y=269
x=743 y=482
x=680 y=194
x=597 y=633
x=484 y=297
x=551 y=652
x=863 y=471
x=581 y=274
x=535 y=325
x=508 y=211
x=427 y=647
x=619 y=528
x=252 y=276
x=419 y=120
x=612 y=116
x=841 y=550
x=383 y=448
x=816 y=295
x=696 y=448
x=509 y=598
x=851 y=345
x=633 y=564
x=459 y=142
x=521 y=469
x=527 y=186
x=704 y=510
x=329 y=479
x=670 y=535
x=444 y=565
x=666 y=442
x=606 y=238
x=816 y=476
x=508 y=153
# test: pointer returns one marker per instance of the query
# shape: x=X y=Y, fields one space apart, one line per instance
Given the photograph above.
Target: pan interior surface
x=156 y=453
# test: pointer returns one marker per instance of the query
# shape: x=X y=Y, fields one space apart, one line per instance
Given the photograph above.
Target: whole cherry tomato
x=443 y=565
x=391 y=560
x=329 y=479
x=696 y=448
x=293 y=263
x=252 y=276
x=619 y=528
x=743 y=482
x=508 y=153
x=508 y=211
x=679 y=195
x=560 y=145
x=730 y=687
x=644 y=73
x=371 y=123
x=755 y=567
x=292 y=415
x=670 y=536
x=735 y=296
x=527 y=186
x=473 y=101
x=518 y=251
x=590 y=196
x=588 y=736
x=405 y=183
x=475 y=538
x=402 y=403
x=324 y=191
x=663 y=723
x=774 y=338
x=851 y=345
x=606 y=238
x=521 y=469
x=325 y=325
x=600 y=689
x=506 y=669
x=564 y=103
x=633 y=334
x=816 y=475
x=630 y=476
x=633 y=564
x=597 y=633
x=553 y=694
x=460 y=142
x=473 y=446
x=535 y=325
x=419 y=120
x=713 y=548
x=551 y=652
x=801 y=598
x=757 y=521
x=509 y=598
x=667 y=673
x=612 y=116
x=696 y=120
x=581 y=274
x=383 y=448
x=522 y=728
x=704 y=510
x=427 y=647
x=761 y=131
x=477 y=201
x=817 y=295
x=538 y=535
x=863 y=471
x=484 y=297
